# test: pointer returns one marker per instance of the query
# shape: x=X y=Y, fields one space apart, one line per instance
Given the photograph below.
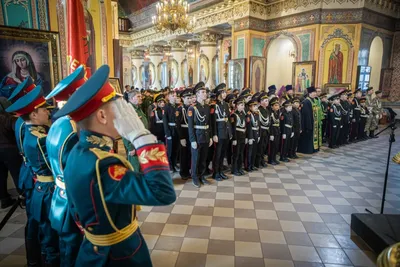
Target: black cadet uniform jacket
x=286 y=123
x=296 y=120
x=182 y=122
x=238 y=122
x=220 y=116
x=253 y=126
x=199 y=120
x=169 y=118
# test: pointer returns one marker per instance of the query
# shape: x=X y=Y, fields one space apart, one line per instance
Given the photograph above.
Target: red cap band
x=67 y=92
x=32 y=106
x=25 y=91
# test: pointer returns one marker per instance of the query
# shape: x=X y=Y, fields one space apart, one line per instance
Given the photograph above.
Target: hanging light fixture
x=173 y=15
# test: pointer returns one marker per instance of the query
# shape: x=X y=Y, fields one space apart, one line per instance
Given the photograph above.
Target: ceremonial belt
x=159 y=121
x=184 y=125
x=276 y=124
x=113 y=238
x=357 y=108
x=60 y=183
x=265 y=128
x=171 y=124
x=202 y=127
x=224 y=119
x=338 y=119
x=255 y=128
x=288 y=125
x=240 y=130
x=45 y=178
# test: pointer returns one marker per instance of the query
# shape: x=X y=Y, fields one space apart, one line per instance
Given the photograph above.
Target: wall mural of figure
x=190 y=75
x=203 y=76
x=303 y=81
x=335 y=71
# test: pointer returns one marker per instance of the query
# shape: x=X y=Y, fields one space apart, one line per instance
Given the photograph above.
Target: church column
x=177 y=56
x=394 y=95
x=156 y=56
x=208 y=49
x=126 y=68
x=137 y=61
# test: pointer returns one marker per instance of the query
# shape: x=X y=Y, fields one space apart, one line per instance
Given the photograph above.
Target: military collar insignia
x=100 y=141
x=38 y=131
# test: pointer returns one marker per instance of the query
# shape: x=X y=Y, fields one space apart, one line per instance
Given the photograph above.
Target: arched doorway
x=375 y=61
x=280 y=58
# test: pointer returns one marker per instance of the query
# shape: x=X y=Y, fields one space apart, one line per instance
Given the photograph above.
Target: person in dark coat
x=253 y=130
x=306 y=141
x=334 y=117
x=265 y=121
x=296 y=128
x=171 y=134
x=275 y=132
x=287 y=133
x=238 y=122
x=156 y=118
x=355 y=123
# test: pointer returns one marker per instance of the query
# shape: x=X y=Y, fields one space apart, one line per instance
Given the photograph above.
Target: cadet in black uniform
x=286 y=125
x=238 y=122
x=231 y=105
x=345 y=112
x=171 y=133
x=364 y=114
x=265 y=119
x=247 y=97
x=334 y=118
x=296 y=127
x=274 y=133
x=156 y=121
x=355 y=123
x=199 y=134
x=222 y=132
x=253 y=135
x=210 y=101
x=183 y=130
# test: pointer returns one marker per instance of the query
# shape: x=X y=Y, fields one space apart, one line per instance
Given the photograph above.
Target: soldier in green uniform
x=105 y=189
x=32 y=109
x=136 y=100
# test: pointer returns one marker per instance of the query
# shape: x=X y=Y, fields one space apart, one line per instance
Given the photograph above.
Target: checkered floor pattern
x=293 y=214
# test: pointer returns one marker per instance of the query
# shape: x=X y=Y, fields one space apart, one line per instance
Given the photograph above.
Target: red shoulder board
x=190 y=113
x=116 y=172
x=331 y=110
x=212 y=110
x=177 y=113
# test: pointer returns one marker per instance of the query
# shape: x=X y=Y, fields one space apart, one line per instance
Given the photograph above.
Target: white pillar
x=137 y=61
x=178 y=54
x=208 y=48
x=156 y=56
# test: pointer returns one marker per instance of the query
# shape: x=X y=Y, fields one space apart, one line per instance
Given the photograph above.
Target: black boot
x=223 y=176
x=217 y=177
x=33 y=254
x=203 y=180
x=372 y=134
x=196 y=182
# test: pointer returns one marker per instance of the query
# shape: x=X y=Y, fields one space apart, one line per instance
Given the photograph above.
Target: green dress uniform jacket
x=103 y=195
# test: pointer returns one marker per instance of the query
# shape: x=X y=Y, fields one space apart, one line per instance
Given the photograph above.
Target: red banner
x=77 y=36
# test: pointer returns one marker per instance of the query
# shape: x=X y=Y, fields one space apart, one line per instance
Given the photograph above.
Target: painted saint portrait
x=173 y=73
x=303 y=81
x=257 y=73
x=303 y=75
x=335 y=71
x=185 y=72
x=236 y=76
x=204 y=69
x=17 y=65
x=134 y=75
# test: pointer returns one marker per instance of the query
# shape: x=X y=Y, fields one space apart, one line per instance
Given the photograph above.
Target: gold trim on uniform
x=100 y=141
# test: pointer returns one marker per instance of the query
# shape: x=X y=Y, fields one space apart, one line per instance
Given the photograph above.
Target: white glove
x=380 y=116
x=194 y=145
x=284 y=136
x=183 y=142
x=291 y=136
x=129 y=126
x=272 y=138
x=341 y=127
x=211 y=142
x=234 y=143
x=169 y=138
x=215 y=138
x=246 y=141
x=250 y=141
x=353 y=120
x=377 y=116
x=258 y=140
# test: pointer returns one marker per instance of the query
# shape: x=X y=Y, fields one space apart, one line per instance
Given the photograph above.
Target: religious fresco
x=335 y=63
x=185 y=72
x=303 y=76
x=204 y=68
x=215 y=70
x=257 y=46
x=237 y=73
x=32 y=14
x=257 y=73
x=173 y=72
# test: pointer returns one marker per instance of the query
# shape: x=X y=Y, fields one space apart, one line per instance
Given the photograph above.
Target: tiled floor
x=294 y=214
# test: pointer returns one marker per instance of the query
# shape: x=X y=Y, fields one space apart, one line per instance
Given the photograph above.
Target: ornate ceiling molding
x=156 y=50
x=137 y=54
x=177 y=44
x=210 y=37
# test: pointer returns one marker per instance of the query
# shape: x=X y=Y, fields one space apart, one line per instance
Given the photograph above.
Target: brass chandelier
x=172 y=15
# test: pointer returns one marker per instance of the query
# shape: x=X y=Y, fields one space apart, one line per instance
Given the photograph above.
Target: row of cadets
x=222 y=132
x=26 y=181
x=103 y=188
x=32 y=108
x=171 y=133
x=156 y=118
x=183 y=130
x=61 y=138
x=200 y=133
